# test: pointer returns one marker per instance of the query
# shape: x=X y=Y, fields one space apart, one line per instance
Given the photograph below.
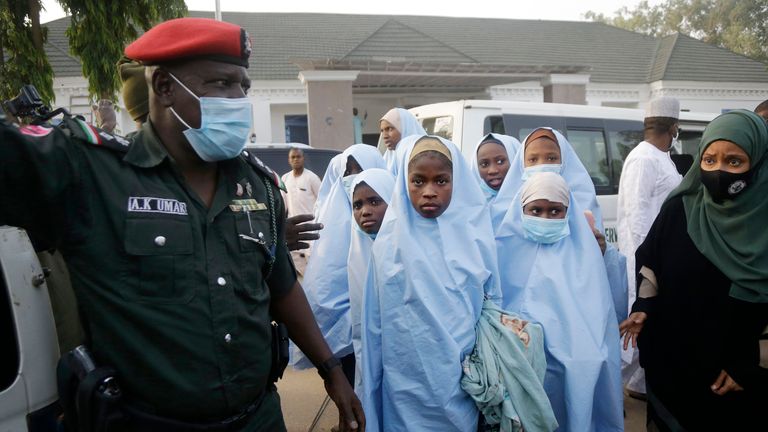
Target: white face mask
x=225 y=124
x=529 y=171
x=676 y=144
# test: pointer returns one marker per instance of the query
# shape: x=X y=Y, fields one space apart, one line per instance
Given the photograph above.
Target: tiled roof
x=611 y=55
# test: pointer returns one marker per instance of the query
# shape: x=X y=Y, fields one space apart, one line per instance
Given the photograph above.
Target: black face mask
x=724 y=185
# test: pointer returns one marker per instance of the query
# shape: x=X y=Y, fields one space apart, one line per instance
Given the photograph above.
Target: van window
x=440 y=126
x=494 y=124
x=9 y=347
x=519 y=126
x=590 y=146
x=623 y=136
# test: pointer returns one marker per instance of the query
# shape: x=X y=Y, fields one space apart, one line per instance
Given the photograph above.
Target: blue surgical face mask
x=546 y=231
x=529 y=171
x=225 y=125
x=347 y=183
x=490 y=193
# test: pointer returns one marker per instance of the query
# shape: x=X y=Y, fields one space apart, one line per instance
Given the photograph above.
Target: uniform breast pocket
x=253 y=231
x=162 y=251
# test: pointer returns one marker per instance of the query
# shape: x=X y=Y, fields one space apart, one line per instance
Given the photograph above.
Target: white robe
x=300 y=199
x=647 y=178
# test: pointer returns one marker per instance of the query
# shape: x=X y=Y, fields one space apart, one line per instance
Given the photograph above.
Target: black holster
x=280 y=355
x=89 y=395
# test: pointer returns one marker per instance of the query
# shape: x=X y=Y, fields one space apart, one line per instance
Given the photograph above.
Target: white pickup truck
x=28 y=396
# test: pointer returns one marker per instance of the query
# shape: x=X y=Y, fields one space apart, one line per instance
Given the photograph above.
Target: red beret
x=187 y=38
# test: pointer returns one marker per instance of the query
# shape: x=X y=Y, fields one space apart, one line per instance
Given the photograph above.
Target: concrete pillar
x=565 y=88
x=329 y=107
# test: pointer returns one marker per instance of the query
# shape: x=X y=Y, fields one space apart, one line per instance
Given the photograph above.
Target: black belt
x=146 y=422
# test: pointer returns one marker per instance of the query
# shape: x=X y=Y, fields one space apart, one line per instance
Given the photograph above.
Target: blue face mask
x=546 y=231
x=529 y=171
x=490 y=193
x=224 y=126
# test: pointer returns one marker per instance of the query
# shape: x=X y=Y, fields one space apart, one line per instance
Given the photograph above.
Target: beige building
x=310 y=70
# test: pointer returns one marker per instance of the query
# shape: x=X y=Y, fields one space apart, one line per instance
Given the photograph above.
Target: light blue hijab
x=511 y=144
x=572 y=170
x=583 y=189
x=422 y=299
x=333 y=172
x=361 y=244
x=407 y=125
x=325 y=280
x=564 y=287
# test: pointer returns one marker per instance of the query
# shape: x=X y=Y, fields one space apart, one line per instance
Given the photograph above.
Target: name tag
x=157 y=205
x=247 y=205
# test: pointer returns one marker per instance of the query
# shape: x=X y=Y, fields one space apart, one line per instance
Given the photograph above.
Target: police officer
x=174 y=240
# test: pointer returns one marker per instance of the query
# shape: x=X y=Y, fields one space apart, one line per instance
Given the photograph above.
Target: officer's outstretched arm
x=37 y=170
x=293 y=310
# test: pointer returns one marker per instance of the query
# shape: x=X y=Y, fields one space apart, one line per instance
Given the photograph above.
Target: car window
x=623 y=136
x=519 y=126
x=440 y=126
x=9 y=357
x=590 y=146
x=494 y=124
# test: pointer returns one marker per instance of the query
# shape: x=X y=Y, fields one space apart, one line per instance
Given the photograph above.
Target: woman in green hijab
x=702 y=306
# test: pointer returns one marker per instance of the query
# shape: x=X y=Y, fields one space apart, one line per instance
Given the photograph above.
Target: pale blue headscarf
x=407 y=125
x=325 y=280
x=572 y=170
x=333 y=172
x=583 y=189
x=511 y=144
x=422 y=299
x=564 y=287
x=361 y=244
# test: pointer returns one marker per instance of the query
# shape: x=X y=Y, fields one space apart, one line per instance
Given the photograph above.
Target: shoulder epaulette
x=261 y=167
x=95 y=136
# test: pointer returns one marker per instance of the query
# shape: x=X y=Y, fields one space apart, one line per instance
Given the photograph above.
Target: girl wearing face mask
x=325 y=280
x=491 y=161
x=552 y=273
x=702 y=308
x=433 y=262
x=547 y=150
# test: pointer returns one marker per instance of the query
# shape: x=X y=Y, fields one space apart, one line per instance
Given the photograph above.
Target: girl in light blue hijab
x=396 y=124
x=491 y=167
x=325 y=280
x=371 y=194
x=433 y=262
x=553 y=274
x=547 y=150
x=333 y=172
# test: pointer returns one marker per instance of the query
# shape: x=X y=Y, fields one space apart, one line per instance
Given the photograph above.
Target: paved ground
x=302 y=394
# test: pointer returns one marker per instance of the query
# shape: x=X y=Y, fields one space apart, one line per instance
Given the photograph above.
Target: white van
x=601 y=136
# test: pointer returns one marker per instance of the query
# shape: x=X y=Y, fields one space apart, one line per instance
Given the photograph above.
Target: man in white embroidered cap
x=648 y=176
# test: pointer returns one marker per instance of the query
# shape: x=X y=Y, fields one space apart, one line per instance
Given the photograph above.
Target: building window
x=296 y=129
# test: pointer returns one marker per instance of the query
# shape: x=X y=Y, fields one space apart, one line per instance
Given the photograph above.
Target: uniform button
x=227 y=338
x=160 y=240
x=221 y=281
x=245 y=153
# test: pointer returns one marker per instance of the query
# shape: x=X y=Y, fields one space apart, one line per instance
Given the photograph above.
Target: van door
x=30 y=347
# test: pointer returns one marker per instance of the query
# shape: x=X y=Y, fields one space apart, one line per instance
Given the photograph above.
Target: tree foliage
x=21 y=42
x=738 y=25
x=98 y=32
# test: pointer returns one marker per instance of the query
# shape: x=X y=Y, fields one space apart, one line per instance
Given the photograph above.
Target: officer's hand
x=724 y=384
x=298 y=230
x=351 y=417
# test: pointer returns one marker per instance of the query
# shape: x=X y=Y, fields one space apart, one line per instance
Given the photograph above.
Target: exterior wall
x=712 y=97
x=272 y=100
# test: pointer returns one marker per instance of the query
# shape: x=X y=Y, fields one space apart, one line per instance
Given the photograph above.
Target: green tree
x=100 y=29
x=21 y=41
x=738 y=25
x=98 y=32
